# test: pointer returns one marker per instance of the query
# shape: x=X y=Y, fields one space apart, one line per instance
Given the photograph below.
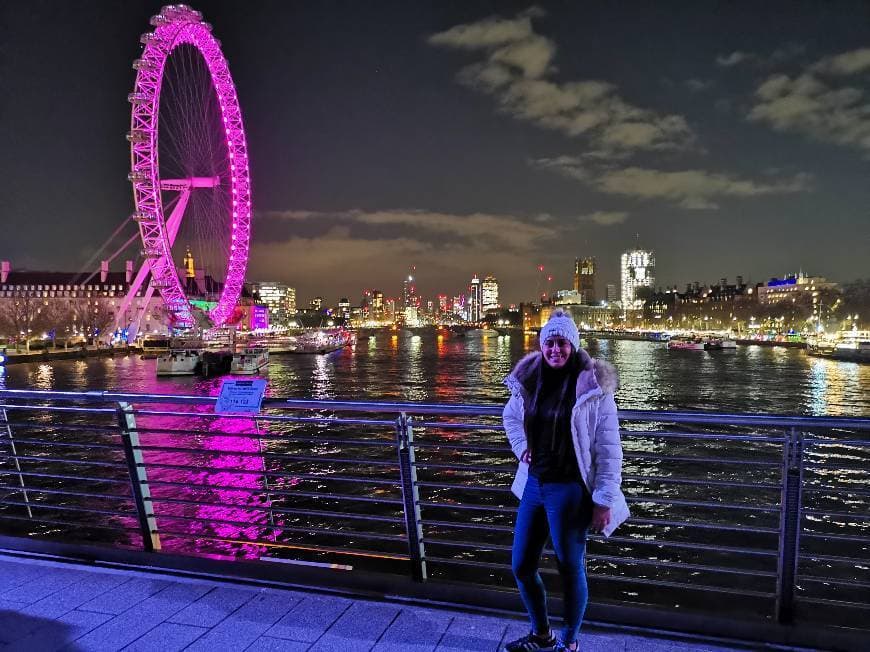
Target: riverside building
x=489 y=294
x=636 y=270
x=584 y=278
x=280 y=298
x=474 y=300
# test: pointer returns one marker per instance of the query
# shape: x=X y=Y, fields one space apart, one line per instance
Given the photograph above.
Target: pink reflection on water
x=212 y=497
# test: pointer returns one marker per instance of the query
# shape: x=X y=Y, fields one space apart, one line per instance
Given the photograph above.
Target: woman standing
x=561 y=424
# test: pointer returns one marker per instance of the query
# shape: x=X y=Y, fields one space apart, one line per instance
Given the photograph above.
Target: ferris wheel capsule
x=137 y=136
x=144 y=64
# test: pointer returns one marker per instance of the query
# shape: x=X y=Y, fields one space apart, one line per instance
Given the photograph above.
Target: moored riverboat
x=847 y=346
x=153 y=347
x=322 y=341
x=179 y=362
x=686 y=344
x=249 y=361
x=720 y=344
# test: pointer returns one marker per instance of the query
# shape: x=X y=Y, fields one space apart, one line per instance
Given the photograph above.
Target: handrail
x=749 y=517
x=785 y=421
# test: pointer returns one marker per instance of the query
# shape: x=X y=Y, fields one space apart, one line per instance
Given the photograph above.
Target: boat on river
x=847 y=346
x=249 y=361
x=687 y=344
x=322 y=341
x=179 y=362
x=720 y=344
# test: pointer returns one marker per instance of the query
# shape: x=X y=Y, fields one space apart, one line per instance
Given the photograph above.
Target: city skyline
x=485 y=139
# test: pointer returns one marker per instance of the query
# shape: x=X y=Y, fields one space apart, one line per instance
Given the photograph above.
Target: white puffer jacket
x=594 y=429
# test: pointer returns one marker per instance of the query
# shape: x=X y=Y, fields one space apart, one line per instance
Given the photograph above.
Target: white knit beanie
x=560 y=324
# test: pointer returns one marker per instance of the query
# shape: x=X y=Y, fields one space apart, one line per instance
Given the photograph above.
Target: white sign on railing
x=244 y=396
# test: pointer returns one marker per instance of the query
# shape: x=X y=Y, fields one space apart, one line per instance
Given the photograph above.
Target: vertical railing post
x=411 y=496
x=138 y=477
x=8 y=433
x=789 y=525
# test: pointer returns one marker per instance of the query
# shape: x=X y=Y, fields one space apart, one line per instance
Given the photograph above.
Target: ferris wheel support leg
x=172 y=226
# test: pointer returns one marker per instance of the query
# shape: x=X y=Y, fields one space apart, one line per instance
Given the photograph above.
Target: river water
x=470 y=369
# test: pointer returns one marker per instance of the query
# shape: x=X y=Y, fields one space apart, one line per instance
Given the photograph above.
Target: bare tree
x=20 y=320
x=57 y=318
x=93 y=317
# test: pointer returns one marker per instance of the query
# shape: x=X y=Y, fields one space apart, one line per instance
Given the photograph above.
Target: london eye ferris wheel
x=189 y=167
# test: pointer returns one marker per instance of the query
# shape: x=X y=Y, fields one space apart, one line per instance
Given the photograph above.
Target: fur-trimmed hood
x=595 y=374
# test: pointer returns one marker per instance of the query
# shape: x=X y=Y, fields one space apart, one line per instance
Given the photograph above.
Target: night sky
x=472 y=137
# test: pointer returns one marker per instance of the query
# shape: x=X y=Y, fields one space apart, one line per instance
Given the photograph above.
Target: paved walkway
x=51 y=606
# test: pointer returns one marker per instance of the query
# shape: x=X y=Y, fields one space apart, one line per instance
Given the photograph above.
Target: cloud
x=785 y=53
x=305 y=248
x=434 y=230
x=518 y=71
x=692 y=189
x=847 y=63
x=699 y=85
x=735 y=58
x=605 y=218
x=819 y=102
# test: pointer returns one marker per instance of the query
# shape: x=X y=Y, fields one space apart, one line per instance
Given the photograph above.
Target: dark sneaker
x=531 y=642
x=565 y=647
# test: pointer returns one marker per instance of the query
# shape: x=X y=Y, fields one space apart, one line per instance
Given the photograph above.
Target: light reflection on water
x=449 y=367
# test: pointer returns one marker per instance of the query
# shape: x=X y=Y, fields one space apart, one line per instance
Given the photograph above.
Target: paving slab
x=52 y=581
x=61 y=633
x=213 y=607
x=142 y=618
x=269 y=644
x=75 y=595
x=126 y=595
x=167 y=637
x=310 y=618
x=414 y=630
x=473 y=634
x=247 y=624
x=358 y=628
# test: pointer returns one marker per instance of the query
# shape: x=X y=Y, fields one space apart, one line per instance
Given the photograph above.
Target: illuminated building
x=636 y=271
x=489 y=294
x=316 y=303
x=612 y=293
x=442 y=304
x=793 y=288
x=389 y=308
x=584 y=278
x=188 y=264
x=409 y=293
x=344 y=307
x=280 y=299
x=474 y=300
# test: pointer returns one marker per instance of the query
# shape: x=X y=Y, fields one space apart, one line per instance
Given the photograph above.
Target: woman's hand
x=526 y=456
x=600 y=518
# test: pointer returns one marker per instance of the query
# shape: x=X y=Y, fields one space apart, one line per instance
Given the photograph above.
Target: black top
x=549 y=428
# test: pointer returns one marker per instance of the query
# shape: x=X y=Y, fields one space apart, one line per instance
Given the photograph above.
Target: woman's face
x=557 y=351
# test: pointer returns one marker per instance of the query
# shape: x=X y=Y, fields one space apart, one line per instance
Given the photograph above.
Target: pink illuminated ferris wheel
x=189 y=168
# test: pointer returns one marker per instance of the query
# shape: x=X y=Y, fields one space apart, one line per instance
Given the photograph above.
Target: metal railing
x=742 y=515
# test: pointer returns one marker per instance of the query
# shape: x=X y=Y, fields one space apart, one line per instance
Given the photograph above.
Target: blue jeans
x=563 y=510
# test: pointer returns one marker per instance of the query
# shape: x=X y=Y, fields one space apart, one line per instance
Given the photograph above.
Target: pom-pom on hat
x=560 y=324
